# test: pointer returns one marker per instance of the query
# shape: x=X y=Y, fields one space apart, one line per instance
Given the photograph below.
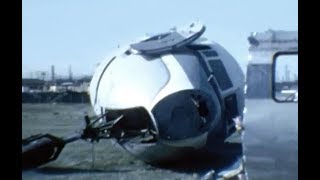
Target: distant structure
x=278 y=76
x=59 y=85
x=287 y=72
x=263 y=46
x=32 y=85
x=52 y=74
x=70 y=73
x=43 y=75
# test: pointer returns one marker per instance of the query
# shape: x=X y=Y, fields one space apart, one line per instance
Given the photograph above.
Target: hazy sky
x=80 y=33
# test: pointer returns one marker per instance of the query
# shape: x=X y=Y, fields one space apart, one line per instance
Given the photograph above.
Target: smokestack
x=52 y=73
x=43 y=76
x=70 y=73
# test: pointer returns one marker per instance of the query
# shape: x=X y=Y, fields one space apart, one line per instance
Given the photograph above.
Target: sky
x=80 y=33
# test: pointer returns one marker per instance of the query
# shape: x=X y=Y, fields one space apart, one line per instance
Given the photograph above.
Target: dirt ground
x=270 y=141
x=76 y=159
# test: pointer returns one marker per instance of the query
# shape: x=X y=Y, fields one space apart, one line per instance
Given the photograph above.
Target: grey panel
x=231 y=105
x=158 y=42
x=259 y=81
x=166 y=42
x=157 y=37
x=210 y=53
x=198 y=47
x=221 y=74
x=205 y=67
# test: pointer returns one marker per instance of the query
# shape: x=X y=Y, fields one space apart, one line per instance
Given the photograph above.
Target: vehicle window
x=286 y=78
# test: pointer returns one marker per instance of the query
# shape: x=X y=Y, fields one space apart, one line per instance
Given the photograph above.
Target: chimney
x=70 y=73
x=52 y=74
